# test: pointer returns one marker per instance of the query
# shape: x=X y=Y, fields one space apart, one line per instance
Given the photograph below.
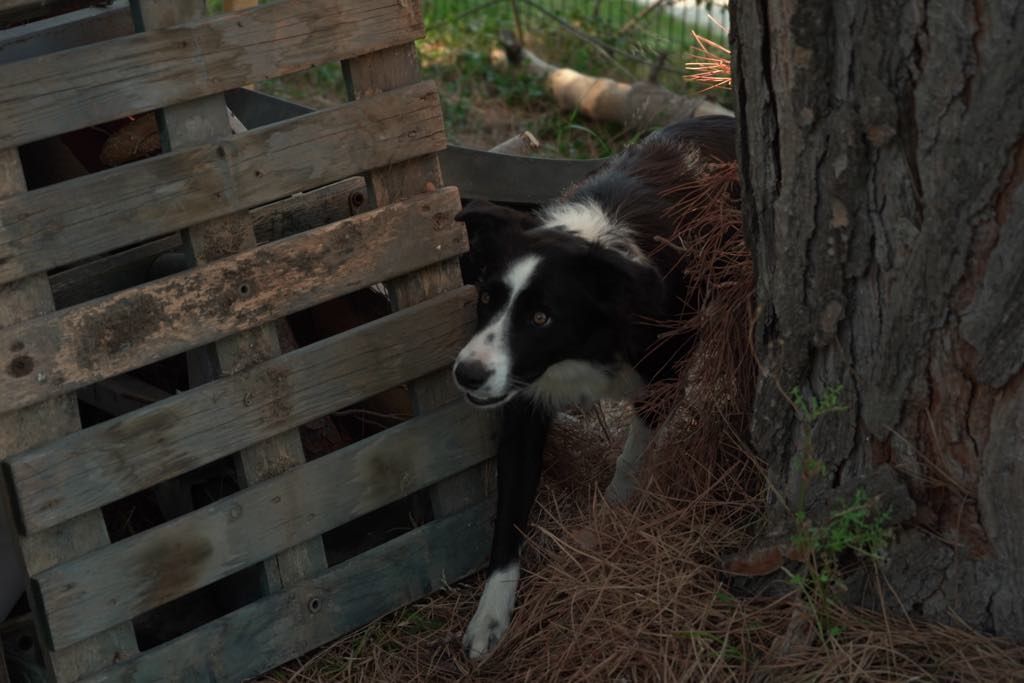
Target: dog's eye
x=540 y=319
x=485 y=298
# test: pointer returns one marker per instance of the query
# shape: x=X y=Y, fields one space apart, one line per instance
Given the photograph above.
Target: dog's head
x=545 y=296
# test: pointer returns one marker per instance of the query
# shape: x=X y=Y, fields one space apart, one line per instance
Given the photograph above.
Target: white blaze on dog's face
x=483 y=368
x=554 y=313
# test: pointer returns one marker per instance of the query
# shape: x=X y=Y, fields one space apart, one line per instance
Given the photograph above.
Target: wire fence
x=656 y=34
x=666 y=17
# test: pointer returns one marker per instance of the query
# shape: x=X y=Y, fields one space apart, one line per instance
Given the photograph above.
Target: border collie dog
x=569 y=300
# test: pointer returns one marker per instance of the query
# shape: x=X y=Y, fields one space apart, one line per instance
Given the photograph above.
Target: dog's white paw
x=493 y=614
x=484 y=632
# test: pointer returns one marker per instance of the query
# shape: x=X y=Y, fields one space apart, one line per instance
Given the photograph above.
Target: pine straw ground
x=636 y=593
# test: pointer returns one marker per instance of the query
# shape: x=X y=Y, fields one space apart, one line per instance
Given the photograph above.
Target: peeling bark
x=882 y=147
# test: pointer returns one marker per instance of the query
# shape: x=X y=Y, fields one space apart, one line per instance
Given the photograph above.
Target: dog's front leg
x=624 y=482
x=524 y=429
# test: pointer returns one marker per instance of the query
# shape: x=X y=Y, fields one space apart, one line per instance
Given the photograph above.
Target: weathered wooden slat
x=20 y=631
x=100 y=212
x=82 y=27
x=120 y=395
x=133 y=266
x=278 y=628
x=478 y=173
x=75 y=346
x=235 y=5
x=92 y=84
x=109 y=273
x=103 y=588
x=121 y=456
x=383 y=71
x=15 y=11
x=31 y=427
x=199 y=122
x=306 y=210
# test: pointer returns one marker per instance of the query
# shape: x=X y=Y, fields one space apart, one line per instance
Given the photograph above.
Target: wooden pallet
x=84 y=590
x=525 y=181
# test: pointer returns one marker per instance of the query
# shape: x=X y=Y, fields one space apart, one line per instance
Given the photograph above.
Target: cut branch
x=637 y=105
x=524 y=144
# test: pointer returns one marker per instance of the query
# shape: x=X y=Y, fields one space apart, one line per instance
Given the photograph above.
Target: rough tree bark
x=882 y=148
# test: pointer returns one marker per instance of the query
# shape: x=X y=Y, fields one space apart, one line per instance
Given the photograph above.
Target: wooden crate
x=84 y=590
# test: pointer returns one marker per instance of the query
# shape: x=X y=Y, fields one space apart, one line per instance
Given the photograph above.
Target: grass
x=559 y=28
x=484 y=105
x=854 y=532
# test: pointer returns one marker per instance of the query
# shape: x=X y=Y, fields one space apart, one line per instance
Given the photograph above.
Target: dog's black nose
x=471 y=374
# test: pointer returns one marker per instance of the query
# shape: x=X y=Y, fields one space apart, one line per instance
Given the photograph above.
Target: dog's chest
x=580 y=383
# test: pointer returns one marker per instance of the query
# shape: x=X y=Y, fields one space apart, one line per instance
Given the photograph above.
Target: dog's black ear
x=636 y=289
x=491 y=229
x=482 y=216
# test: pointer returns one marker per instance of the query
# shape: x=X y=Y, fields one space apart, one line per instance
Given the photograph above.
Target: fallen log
x=637 y=105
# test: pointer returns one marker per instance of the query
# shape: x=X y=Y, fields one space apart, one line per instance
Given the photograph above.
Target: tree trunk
x=882 y=153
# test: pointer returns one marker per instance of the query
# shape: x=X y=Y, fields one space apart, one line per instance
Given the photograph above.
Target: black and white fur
x=568 y=300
